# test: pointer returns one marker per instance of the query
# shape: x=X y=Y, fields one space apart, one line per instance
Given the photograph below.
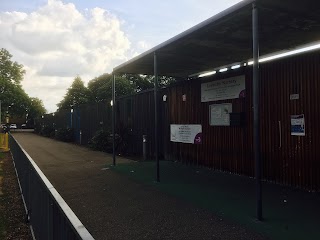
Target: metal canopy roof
x=226 y=38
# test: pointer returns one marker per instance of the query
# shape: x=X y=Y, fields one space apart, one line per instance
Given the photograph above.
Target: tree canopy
x=36 y=108
x=11 y=72
x=14 y=100
x=76 y=95
x=139 y=82
x=100 y=88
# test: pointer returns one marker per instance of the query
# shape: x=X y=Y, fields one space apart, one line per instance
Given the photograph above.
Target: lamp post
x=71 y=112
x=53 y=122
x=7 y=117
x=26 y=116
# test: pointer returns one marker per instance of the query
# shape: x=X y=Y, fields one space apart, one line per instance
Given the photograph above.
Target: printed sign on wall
x=191 y=133
x=229 y=88
x=297 y=125
x=219 y=114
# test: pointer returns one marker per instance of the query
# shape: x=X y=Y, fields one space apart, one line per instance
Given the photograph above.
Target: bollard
x=4 y=142
x=144 y=147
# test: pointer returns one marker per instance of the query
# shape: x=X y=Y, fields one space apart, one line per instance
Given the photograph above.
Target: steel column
x=114 y=119
x=156 y=141
x=256 y=110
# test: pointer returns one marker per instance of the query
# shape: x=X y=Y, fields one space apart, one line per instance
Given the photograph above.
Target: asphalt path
x=112 y=206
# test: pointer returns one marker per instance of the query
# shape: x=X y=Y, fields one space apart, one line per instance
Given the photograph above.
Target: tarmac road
x=112 y=206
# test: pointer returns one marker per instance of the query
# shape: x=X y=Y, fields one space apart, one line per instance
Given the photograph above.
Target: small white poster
x=297 y=125
x=219 y=114
x=229 y=88
x=191 y=133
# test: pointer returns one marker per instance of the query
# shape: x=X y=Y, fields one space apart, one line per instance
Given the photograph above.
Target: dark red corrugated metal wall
x=224 y=148
x=293 y=160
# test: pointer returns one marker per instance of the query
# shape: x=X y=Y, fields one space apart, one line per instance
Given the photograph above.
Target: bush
x=65 y=134
x=123 y=139
x=53 y=134
x=101 y=141
x=37 y=129
x=47 y=131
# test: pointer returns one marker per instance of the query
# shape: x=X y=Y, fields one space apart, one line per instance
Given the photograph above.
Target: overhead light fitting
x=236 y=66
x=223 y=70
x=207 y=74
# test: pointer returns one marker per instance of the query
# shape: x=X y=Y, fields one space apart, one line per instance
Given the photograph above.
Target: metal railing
x=49 y=215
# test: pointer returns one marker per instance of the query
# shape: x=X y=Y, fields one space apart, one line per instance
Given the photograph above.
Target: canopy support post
x=156 y=141
x=256 y=110
x=114 y=119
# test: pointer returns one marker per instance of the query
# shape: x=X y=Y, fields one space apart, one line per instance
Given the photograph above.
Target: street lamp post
x=27 y=114
x=7 y=117
x=71 y=112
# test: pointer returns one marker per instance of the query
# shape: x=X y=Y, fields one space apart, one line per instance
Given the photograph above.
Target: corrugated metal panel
x=136 y=114
x=289 y=160
x=93 y=117
x=223 y=148
x=89 y=118
x=294 y=161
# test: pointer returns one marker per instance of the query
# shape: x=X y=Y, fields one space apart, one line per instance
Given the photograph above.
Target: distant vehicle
x=13 y=126
x=3 y=125
x=23 y=125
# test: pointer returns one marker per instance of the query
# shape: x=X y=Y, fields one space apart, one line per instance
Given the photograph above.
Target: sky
x=57 y=40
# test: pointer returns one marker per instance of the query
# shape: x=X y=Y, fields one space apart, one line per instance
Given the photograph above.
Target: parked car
x=23 y=126
x=13 y=126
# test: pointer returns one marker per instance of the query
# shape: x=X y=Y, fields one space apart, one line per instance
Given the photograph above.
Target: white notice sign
x=191 y=133
x=229 y=88
x=297 y=125
x=294 y=96
x=219 y=114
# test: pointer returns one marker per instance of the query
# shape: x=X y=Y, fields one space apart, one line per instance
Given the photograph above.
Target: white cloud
x=57 y=42
x=143 y=45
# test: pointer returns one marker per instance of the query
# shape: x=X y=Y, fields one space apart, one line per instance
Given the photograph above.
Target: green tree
x=144 y=82
x=140 y=82
x=96 y=87
x=35 y=109
x=76 y=95
x=13 y=98
x=10 y=71
x=100 y=88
